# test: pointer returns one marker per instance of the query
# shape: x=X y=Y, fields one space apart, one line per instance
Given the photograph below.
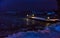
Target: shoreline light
x=27 y=15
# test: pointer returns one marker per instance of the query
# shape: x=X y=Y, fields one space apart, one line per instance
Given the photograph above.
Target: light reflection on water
x=40 y=34
x=29 y=21
x=26 y=21
x=33 y=22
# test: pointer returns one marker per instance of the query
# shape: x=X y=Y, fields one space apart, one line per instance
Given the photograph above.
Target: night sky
x=18 y=5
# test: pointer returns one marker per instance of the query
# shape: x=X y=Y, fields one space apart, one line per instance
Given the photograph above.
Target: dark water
x=48 y=32
x=6 y=22
x=11 y=24
x=33 y=26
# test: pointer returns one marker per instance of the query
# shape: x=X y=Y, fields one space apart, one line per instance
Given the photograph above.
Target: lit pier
x=43 y=19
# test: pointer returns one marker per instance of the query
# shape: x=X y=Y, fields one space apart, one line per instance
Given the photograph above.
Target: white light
x=48 y=17
x=27 y=21
x=33 y=17
x=27 y=15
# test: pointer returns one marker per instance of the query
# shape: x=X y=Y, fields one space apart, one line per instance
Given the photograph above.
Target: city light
x=48 y=17
x=27 y=15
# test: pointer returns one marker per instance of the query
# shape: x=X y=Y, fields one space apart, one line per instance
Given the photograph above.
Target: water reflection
x=47 y=24
x=33 y=21
x=34 y=25
x=27 y=21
